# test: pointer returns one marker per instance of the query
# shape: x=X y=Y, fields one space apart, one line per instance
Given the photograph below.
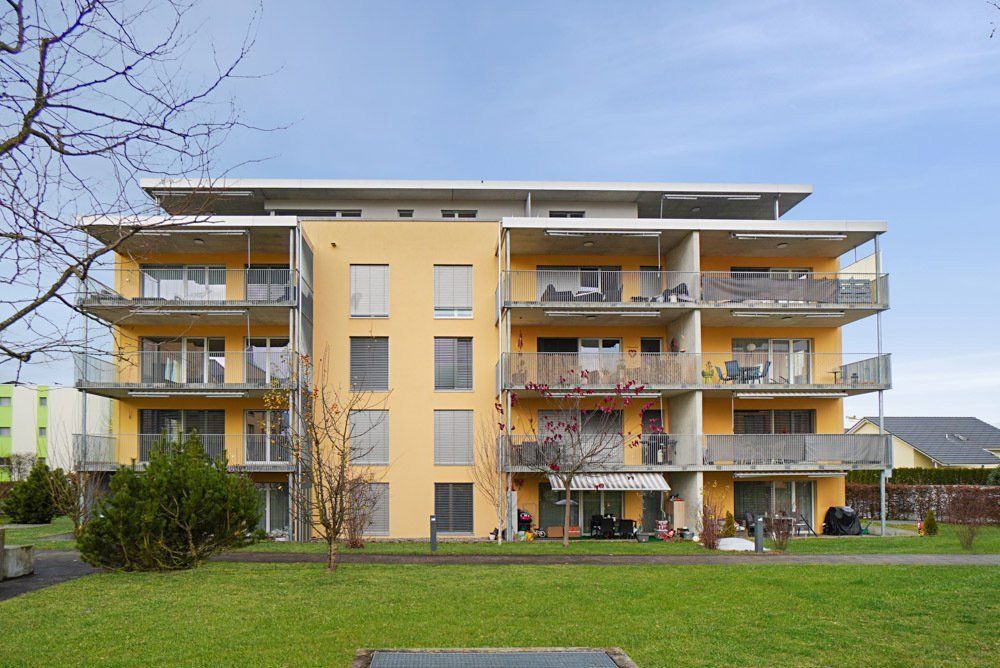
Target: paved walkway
x=617 y=560
x=51 y=567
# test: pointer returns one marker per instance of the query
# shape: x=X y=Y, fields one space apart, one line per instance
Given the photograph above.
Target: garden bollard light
x=758 y=535
x=434 y=534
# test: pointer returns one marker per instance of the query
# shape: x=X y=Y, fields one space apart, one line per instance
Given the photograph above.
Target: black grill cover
x=841 y=521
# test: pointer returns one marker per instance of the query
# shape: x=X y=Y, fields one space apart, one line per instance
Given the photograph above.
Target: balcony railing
x=651 y=288
x=532 y=452
x=605 y=371
x=109 y=451
x=198 y=286
x=179 y=369
x=826 y=450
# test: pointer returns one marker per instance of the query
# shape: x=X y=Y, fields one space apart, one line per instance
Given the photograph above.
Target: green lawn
x=21 y=536
x=988 y=541
x=282 y=614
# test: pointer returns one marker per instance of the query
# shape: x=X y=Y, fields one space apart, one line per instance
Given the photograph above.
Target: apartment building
x=450 y=298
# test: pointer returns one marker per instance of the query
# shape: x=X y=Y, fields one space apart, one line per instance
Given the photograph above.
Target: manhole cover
x=494 y=658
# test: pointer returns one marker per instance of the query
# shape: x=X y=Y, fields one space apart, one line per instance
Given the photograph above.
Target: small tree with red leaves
x=582 y=430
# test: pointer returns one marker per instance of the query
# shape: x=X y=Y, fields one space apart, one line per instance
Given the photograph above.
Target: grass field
x=946 y=542
x=20 y=536
x=279 y=614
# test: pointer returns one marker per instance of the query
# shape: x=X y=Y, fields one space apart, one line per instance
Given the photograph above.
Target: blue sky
x=888 y=109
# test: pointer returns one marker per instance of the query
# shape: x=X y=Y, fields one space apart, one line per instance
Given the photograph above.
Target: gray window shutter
x=453 y=506
x=453 y=438
x=370 y=290
x=378 y=521
x=369 y=437
x=453 y=289
x=452 y=363
x=370 y=363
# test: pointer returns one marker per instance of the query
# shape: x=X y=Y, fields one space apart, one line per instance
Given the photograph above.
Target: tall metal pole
x=881 y=407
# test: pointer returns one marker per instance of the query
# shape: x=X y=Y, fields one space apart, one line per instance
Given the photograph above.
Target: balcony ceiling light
x=169 y=311
x=786 y=314
x=747 y=236
x=732 y=197
x=790 y=395
x=212 y=193
x=634 y=314
x=580 y=233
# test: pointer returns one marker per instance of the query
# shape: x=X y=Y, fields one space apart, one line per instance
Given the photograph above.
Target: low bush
x=994 y=477
x=930 y=523
x=729 y=526
x=709 y=527
x=174 y=515
x=912 y=502
x=915 y=476
x=30 y=501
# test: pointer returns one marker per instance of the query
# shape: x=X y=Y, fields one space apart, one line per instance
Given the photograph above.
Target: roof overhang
x=671 y=198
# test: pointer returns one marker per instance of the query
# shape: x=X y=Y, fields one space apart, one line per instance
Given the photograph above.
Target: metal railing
x=607 y=370
x=614 y=287
x=113 y=450
x=737 y=450
x=168 y=286
x=166 y=369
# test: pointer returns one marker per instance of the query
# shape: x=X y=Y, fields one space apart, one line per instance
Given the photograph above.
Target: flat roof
x=248 y=195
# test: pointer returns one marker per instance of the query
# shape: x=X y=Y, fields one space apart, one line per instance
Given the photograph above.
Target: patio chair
x=733 y=371
x=680 y=291
x=553 y=295
x=626 y=528
x=595 y=525
x=757 y=374
x=607 y=527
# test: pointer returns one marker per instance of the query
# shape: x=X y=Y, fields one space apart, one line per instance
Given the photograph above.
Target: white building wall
x=23 y=426
x=65 y=414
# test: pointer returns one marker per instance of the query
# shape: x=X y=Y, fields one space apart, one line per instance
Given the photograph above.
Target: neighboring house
x=39 y=422
x=457 y=295
x=935 y=442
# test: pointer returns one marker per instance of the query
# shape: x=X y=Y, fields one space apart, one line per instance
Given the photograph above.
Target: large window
x=787 y=360
x=453 y=438
x=191 y=282
x=453 y=507
x=585 y=505
x=452 y=291
x=274 y=508
x=268 y=283
x=266 y=436
x=370 y=290
x=183 y=360
x=155 y=425
x=267 y=360
x=369 y=435
x=788 y=498
x=452 y=363
x=774 y=422
x=369 y=363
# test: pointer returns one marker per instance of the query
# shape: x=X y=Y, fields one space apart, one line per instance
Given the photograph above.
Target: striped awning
x=613 y=482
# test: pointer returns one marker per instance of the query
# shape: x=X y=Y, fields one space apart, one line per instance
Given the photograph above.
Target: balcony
x=599 y=296
x=156 y=374
x=736 y=452
x=243 y=452
x=150 y=296
x=797 y=451
x=713 y=372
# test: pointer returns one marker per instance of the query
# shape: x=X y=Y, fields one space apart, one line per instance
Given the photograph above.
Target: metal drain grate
x=459 y=659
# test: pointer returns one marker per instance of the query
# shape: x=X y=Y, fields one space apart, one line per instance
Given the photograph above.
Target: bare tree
x=74 y=495
x=95 y=94
x=487 y=471
x=330 y=426
x=586 y=434
x=21 y=465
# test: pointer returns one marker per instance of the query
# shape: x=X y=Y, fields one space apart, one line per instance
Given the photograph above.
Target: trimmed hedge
x=924 y=477
x=912 y=502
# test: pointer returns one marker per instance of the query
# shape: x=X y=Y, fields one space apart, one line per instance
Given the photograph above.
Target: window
x=405 y=213
x=266 y=436
x=191 y=282
x=268 y=283
x=42 y=402
x=453 y=291
x=370 y=363
x=786 y=360
x=345 y=213
x=566 y=214
x=782 y=498
x=155 y=425
x=453 y=438
x=183 y=360
x=42 y=432
x=774 y=422
x=453 y=507
x=370 y=290
x=4 y=432
x=378 y=519
x=274 y=508
x=369 y=436
x=4 y=402
x=267 y=360
x=459 y=213
x=452 y=363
